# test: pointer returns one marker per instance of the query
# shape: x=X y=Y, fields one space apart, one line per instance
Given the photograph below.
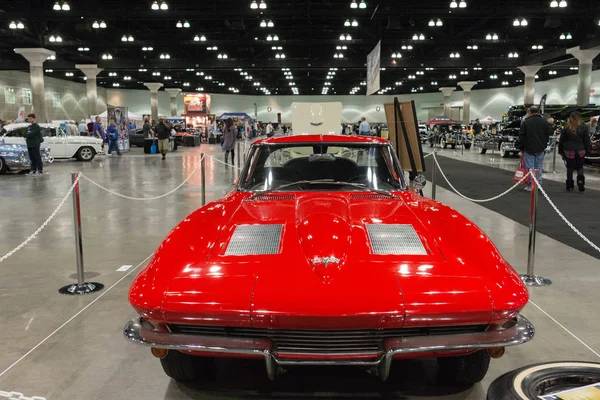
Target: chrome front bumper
x=522 y=332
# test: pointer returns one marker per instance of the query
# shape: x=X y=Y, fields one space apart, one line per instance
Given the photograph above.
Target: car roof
x=311 y=138
x=26 y=124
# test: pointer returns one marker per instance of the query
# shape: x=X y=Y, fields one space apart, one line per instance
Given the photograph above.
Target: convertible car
x=321 y=255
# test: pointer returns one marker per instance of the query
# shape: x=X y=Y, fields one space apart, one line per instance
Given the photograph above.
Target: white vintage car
x=83 y=148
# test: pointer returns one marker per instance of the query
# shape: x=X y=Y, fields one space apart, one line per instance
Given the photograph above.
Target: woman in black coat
x=573 y=145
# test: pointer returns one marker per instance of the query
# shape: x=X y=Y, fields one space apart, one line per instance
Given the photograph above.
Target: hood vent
x=271 y=197
x=255 y=240
x=369 y=196
x=395 y=239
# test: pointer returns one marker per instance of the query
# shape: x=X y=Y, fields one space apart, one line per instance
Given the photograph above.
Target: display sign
x=196 y=103
x=374 y=69
x=404 y=134
x=317 y=118
x=120 y=115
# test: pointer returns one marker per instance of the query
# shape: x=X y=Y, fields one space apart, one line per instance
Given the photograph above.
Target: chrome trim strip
x=522 y=332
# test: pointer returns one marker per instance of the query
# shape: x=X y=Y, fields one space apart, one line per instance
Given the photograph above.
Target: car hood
x=324 y=272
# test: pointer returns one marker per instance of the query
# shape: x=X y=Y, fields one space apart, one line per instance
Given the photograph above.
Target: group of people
x=573 y=145
x=362 y=128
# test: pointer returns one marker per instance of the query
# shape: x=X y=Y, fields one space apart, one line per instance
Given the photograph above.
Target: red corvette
x=321 y=255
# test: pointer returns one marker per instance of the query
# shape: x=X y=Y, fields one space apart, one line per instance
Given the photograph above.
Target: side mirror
x=419 y=183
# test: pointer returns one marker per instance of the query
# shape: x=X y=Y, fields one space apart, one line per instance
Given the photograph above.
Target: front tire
x=467 y=146
x=3 y=166
x=483 y=150
x=443 y=143
x=85 y=153
x=541 y=379
x=464 y=370
x=185 y=368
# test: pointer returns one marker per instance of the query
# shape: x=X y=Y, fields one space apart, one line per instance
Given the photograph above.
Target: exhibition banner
x=120 y=115
x=374 y=69
x=196 y=103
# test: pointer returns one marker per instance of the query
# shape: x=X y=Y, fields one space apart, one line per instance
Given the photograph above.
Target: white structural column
x=447 y=94
x=36 y=58
x=530 y=71
x=91 y=71
x=153 y=86
x=173 y=92
x=585 y=57
x=467 y=86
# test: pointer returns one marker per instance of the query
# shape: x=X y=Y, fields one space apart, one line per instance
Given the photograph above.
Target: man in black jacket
x=533 y=139
x=163 y=133
x=34 y=139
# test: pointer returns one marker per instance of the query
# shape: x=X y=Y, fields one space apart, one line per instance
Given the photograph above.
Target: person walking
x=163 y=133
x=33 y=139
x=364 y=129
x=573 y=145
x=112 y=134
x=98 y=131
x=147 y=129
x=83 y=129
x=229 y=133
x=533 y=140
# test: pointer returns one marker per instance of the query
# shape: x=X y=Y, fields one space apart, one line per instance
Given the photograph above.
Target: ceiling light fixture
x=431 y=22
x=179 y=24
x=354 y=23
x=270 y=24
x=453 y=4
x=103 y=25
x=569 y=37
x=155 y=6
x=554 y=4
x=263 y=24
x=262 y=5
x=254 y=5
x=186 y=24
x=56 y=6
x=164 y=6
x=269 y=38
x=353 y=4
x=124 y=38
x=347 y=23
x=107 y=56
x=439 y=22
x=562 y=4
x=95 y=25
x=12 y=25
x=462 y=4
x=275 y=38
x=362 y=4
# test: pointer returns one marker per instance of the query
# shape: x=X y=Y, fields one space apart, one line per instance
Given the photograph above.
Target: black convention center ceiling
x=306 y=47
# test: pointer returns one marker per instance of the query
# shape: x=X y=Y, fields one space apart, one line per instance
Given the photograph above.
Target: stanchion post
x=239 y=157
x=81 y=287
x=554 y=157
x=530 y=279
x=203 y=176
x=433 y=182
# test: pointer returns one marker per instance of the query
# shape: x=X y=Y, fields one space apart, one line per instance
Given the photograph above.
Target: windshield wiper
x=329 y=182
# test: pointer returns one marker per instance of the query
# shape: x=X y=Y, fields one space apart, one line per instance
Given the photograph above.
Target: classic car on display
x=506 y=141
x=15 y=157
x=423 y=133
x=321 y=255
x=83 y=148
x=447 y=135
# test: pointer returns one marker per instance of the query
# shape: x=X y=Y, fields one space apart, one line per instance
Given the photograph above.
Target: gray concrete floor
x=61 y=347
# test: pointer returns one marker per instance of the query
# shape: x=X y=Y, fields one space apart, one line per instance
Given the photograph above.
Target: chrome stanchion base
x=76 y=289
x=535 y=280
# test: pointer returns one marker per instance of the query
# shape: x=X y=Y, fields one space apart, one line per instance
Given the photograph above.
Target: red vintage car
x=322 y=255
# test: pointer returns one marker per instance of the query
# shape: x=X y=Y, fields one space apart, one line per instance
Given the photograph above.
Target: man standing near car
x=364 y=129
x=34 y=139
x=98 y=131
x=477 y=128
x=533 y=140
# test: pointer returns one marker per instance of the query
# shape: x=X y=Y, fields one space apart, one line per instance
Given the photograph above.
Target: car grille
x=323 y=341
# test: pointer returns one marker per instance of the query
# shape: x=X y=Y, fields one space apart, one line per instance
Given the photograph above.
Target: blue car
x=14 y=157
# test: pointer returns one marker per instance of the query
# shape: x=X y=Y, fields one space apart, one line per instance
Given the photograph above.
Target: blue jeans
x=534 y=161
x=113 y=145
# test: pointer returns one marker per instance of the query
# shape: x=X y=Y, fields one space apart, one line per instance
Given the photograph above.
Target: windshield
x=294 y=167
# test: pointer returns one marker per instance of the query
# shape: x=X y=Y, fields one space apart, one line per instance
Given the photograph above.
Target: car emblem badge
x=316 y=123
x=325 y=261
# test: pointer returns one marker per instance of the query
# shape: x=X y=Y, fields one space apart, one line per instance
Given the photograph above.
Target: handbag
x=521 y=172
x=153 y=148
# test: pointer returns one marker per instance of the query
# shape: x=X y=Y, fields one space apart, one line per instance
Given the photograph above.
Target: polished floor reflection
x=61 y=347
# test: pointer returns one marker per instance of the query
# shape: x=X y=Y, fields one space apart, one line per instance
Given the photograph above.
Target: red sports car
x=321 y=255
x=440 y=121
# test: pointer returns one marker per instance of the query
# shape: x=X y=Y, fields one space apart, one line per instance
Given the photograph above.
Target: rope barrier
x=143 y=198
x=560 y=214
x=41 y=228
x=476 y=200
x=224 y=163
